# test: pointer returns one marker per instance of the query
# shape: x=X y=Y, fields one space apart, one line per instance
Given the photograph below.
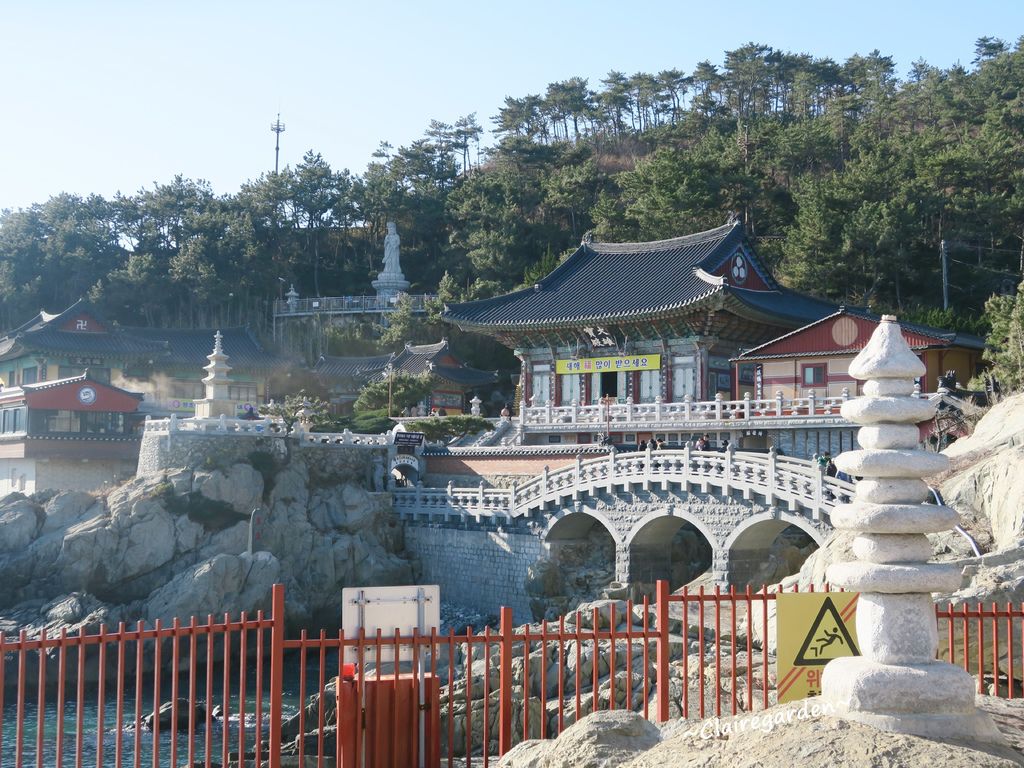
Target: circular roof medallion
x=844 y=331
x=739 y=268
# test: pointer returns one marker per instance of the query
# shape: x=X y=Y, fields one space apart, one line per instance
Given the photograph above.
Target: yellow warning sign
x=811 y=629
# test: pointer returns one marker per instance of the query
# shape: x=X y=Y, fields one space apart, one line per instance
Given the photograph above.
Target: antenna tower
x=278 y=128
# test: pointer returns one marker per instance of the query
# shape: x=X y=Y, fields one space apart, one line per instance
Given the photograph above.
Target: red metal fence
x=231 y=688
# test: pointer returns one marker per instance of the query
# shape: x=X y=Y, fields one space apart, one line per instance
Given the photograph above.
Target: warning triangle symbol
x=827 y=639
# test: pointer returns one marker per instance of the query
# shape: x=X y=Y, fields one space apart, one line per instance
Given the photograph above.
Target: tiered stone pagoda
x=218 y=400
x=897 y=684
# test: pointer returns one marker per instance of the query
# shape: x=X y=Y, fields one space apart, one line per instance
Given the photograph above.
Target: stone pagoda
x=897 y=684
x=218 y=401
x=390 y=281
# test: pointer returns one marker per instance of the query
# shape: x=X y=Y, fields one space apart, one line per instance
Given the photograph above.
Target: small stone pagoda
x=897 y=684
x=218 y=400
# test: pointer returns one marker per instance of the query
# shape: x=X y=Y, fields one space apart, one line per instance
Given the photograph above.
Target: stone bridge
x=737 y=501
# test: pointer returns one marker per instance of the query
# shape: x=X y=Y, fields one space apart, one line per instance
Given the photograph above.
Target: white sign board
x=404 y=608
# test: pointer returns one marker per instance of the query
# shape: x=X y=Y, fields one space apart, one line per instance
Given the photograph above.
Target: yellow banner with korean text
x=604 y=364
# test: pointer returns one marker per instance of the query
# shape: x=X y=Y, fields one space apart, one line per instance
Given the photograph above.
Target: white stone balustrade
x=259 y=427
x=795 y=483
x=679 y=415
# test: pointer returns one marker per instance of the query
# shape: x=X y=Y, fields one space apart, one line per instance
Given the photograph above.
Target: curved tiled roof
x=937 y=335
x=351 y=367
x=415 y=359
x=42 y=333
x=608 y=281
x=192 y=346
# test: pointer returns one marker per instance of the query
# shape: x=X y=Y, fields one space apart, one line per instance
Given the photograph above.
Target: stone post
x=896 y=685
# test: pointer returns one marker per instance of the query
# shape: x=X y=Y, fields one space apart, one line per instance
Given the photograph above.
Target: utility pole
x=944 y=255
x=278 y=128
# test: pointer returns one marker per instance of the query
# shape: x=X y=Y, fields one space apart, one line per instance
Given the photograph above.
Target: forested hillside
x=847 y=176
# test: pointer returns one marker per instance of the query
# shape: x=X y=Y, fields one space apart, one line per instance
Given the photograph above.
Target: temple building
x=75 y=433
x=165 y=365
x=641 y=323
x=817 y=356
x=344 y=377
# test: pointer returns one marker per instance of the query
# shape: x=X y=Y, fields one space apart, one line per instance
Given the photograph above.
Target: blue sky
x=113 y=96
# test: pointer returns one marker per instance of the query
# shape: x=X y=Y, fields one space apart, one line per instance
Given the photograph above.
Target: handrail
x=259 y=427
x=342 y=304
x=797 y=482
x=617 y=416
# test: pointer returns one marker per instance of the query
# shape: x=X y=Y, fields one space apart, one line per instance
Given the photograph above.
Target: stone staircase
x=504 y=433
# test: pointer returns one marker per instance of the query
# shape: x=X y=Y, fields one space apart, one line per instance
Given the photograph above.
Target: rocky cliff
x=176 y=544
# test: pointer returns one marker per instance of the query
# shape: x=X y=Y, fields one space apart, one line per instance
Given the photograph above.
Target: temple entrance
x=609 y=384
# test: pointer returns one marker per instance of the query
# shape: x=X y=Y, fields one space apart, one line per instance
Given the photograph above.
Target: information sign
x=409 y=438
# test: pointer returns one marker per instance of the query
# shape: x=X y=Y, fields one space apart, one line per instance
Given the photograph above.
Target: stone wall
x=480 y=569
x=79 y=475
x=332 y=464
x=502 y=468
x=436 y=480
x=193 y=450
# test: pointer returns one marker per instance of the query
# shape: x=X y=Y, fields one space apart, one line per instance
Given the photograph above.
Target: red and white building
x=69 y=434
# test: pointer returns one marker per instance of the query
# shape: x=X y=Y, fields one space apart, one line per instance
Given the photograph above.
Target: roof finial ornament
x=734 y=217
x=588 y=237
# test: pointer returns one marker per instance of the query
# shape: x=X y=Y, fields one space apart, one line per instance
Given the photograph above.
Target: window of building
x=96 y=373
x=77 y=422
x=67 y=371
x=187 y=390
x=245 y=393
x=813 y=375
x=29 y=375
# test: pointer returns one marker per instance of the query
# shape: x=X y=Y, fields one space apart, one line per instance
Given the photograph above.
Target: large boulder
x=224 y=584
x=20 y=522
x=598 y=740
x=1001 y=427
x=240 y=487
x=68 y=508
x=992 y=492
x=139 y=536
x=351 y=510
x=796 y=734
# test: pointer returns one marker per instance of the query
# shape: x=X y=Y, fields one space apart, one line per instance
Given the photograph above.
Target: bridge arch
x=564 y=522
x=747 y=547
x=586 y=550
x=677 y=546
